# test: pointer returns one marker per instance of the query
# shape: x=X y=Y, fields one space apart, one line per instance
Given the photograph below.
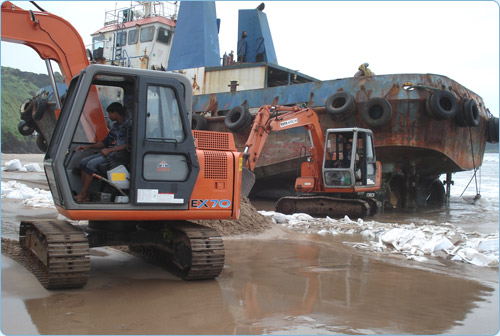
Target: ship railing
x=141 y=10
x=130 y=61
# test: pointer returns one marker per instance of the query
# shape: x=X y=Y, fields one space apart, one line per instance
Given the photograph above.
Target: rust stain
x=310 y=102
x=195 y=86
x=394 y=91
x=213 y=105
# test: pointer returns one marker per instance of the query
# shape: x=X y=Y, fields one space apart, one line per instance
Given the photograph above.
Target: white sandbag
x=33 y=167
x=14 y=164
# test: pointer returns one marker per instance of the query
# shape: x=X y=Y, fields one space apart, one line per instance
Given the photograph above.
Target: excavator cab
x=162 y=174
x=349 y=159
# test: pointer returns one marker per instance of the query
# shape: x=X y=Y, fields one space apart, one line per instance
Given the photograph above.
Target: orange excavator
x=340 y=176
x=173 y=175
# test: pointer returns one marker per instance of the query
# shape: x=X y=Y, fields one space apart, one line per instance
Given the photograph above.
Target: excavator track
x=59 y=253
x=325 y=206
x=194 y=252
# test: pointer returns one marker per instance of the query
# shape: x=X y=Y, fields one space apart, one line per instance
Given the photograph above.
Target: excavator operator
x=345 y=162
x=114 y=145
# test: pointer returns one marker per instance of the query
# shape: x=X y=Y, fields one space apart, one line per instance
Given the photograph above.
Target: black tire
x=471 y=113
x=492 y=130
x=377 y=112
x=199 y=122
x=41 y=143
x=25 y=128
x=25 y=107
x=340 y=105
x=442 y=105
x=41 y=106
x=238 y=118
x=460 y=118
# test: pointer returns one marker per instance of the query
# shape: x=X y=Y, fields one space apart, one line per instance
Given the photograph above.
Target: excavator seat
x=116 y=167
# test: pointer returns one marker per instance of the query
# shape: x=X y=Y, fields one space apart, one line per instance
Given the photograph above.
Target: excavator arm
x=269 y=120
x=53 y=38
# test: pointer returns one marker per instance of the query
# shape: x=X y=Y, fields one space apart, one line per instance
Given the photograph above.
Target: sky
x=330 y=39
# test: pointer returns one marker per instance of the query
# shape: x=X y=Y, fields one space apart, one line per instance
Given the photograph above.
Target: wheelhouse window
x=98 y=47
x=147 y=34
x=121 y=39
x=163 y=121
x=133 y=36
x=164 y=35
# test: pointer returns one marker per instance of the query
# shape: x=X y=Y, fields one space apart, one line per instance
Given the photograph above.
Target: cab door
x=166 y=165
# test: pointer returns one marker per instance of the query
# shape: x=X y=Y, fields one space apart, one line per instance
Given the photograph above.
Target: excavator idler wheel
x=286 y=206
x=59 y=254
x=191 y=252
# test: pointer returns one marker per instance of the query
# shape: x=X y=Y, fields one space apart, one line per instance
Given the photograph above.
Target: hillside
x=16 y=86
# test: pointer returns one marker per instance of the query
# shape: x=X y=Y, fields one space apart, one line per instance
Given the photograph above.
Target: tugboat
x=138 y=36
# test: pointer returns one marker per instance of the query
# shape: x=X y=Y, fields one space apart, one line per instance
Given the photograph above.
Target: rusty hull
x=411 y=138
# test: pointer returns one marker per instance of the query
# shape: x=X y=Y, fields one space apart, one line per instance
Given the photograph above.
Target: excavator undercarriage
x=327 y=206
x=60 y=251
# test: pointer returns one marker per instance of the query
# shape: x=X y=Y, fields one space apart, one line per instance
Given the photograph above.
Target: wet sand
x=277 y=282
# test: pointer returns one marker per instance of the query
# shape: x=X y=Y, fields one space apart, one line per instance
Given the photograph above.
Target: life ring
x=492 y=130
x=377 y=112
x=199 y=122
x=25 y=128
x=339 y=105
x=442 y=105
x=238 y=118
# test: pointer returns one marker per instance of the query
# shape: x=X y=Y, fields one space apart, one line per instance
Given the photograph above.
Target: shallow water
x=267 y=287
x=280 y=282
x=480 y=215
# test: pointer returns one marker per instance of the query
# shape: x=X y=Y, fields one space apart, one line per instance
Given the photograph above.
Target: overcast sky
x=330 y=39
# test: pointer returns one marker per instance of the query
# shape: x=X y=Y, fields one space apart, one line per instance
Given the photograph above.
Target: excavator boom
x=52 y=37
x=268 y=120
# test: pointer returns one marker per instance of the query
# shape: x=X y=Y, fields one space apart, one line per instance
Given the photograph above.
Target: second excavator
x=340 y=175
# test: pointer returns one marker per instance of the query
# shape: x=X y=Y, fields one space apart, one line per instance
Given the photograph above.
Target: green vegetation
x=17 y=86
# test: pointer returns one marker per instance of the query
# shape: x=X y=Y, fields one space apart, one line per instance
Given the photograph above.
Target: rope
x=478 y=195
x=36 y=5
x=469 y=182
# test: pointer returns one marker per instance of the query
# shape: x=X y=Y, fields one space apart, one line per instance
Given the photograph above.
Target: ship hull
x=412 y=142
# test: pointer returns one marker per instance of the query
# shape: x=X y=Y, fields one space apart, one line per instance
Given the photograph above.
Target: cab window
x=163 y=121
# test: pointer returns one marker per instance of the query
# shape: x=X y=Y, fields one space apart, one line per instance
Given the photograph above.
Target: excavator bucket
x=247 y=181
